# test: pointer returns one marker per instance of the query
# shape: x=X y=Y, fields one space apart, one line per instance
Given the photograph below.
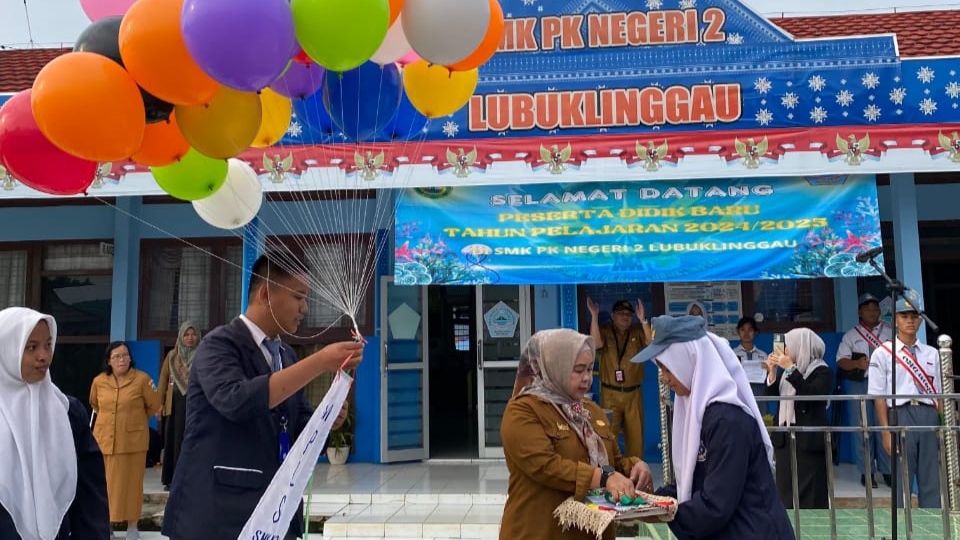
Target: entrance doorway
x=450 y=357
x=453 y=372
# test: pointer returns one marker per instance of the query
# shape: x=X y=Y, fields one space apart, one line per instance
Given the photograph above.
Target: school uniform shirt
x=734 y=496
x=853 y=341
x=753 y=355
x=879 y=373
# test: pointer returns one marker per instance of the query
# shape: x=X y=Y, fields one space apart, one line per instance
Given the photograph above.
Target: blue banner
x=725 y=229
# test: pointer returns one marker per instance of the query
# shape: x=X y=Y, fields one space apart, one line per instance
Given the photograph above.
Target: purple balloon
x=243 y=44
x=300 y=81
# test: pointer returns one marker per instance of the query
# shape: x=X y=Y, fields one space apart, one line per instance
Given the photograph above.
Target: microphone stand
x=897 y=289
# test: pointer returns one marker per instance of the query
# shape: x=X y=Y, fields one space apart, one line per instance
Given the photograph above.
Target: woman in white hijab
x=802 y=373
x=721 y=453
x=53 y=485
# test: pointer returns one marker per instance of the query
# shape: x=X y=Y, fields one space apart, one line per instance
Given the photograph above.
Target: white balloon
x=445 y=32
x=394 y=47
x=236 y=202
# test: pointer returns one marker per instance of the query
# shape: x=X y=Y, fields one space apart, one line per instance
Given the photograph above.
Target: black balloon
x=103 y=37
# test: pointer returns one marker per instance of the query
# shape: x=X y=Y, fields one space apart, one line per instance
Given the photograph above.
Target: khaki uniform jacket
x=548 y=463
x=167 y=386
x=631 y=345
x=123 y=412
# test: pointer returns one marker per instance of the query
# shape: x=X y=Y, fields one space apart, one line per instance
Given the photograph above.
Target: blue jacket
x=88 y=517
x=734 y=496
x=230 y=449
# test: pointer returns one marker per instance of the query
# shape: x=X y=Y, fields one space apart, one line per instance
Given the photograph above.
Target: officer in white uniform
x=853 y=358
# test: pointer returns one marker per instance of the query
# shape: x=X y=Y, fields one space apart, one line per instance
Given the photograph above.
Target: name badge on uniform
x=618 y=376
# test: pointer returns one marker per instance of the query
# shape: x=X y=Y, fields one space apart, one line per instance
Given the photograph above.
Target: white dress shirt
x=879 y=373
x=258 y=337
x=853 y=342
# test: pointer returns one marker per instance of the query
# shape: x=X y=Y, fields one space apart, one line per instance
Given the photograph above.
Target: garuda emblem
x=751 y=151
x=6 y=179
x=369 y=164
x=652 y=155
x=277 y=168
x=461 y=161
x=951 y=144
x=853 y=149
x=103 y=171
x=555 y=158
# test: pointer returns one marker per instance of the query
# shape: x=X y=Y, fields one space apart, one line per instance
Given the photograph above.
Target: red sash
x=909 y=362
x=872 y=340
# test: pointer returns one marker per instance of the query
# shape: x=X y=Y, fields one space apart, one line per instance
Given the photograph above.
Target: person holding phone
x=799 y=355
x=853 y=360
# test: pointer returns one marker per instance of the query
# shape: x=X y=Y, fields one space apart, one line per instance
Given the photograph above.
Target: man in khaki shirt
x=621 y=379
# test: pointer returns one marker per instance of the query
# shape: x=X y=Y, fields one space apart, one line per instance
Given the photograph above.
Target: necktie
x=273 y=345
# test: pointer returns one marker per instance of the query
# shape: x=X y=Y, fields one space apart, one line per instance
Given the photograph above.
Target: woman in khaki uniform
x=557 y=444
x=124 y=399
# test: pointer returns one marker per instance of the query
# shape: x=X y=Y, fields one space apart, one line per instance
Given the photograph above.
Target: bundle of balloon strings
x=594 y=514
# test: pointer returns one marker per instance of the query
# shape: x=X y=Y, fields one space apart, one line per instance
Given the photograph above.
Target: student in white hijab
x=802 y=372
x=721 y=452
x=53 y=485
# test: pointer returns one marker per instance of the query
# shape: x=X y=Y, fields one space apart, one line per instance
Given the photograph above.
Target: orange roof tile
x=18 y=67
x=919 y=33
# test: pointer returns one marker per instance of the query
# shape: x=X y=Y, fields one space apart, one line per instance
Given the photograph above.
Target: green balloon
x=194 y=177
x=341 y=34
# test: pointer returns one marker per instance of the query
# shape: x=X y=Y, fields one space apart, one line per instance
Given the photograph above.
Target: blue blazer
x=230 y=448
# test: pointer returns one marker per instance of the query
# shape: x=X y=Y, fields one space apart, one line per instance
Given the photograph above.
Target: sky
x=54 y=23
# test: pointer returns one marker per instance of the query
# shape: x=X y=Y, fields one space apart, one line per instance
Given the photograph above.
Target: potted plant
x=340 y=440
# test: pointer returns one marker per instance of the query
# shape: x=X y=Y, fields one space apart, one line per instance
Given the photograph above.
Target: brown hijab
x=181 y=362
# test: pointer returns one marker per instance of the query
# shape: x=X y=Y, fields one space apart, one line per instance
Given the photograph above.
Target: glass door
x=503 y=312
x=404 y=425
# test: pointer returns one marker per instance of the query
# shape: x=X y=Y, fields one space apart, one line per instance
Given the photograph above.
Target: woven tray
x=594 y=514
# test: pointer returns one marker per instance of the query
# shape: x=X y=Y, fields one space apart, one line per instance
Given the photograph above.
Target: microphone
x=869 y=254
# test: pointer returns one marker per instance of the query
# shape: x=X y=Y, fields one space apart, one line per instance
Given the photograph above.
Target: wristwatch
x=605 y=472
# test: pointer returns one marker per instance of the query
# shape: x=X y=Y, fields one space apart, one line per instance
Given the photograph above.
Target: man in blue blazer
x=243 y=394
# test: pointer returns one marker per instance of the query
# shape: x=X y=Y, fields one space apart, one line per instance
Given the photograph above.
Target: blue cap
x=668 y=330
x=866 y=298
x=904 y=305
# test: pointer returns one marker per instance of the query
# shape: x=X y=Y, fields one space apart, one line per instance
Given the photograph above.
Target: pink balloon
x=410 y=58
x=99 y=9
x=33 y=159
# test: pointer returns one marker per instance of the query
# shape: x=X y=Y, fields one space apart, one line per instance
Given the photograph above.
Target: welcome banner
x=725 y=229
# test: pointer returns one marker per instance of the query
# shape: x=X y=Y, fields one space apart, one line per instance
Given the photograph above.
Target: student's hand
x=333 y=355
x=641 y=477
x=619 y=485
x=593 y=308
x=863 y=363
x=341 y=416
x=887 y=438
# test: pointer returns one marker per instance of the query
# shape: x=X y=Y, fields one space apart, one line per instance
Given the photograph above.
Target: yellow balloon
x=436 y=91
x=223 y=128
x=277 y=111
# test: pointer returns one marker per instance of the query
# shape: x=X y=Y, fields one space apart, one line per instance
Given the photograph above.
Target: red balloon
x=302 y=58
x=34 y=160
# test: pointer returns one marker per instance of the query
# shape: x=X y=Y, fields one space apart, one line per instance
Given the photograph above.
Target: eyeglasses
x=122 y=356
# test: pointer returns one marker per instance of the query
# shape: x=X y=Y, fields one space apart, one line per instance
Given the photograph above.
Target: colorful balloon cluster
x=184 y=85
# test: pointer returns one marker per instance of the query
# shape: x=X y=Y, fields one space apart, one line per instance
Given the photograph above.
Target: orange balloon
x=153 y=51
x=395 y=7
x=88 y=106
x=490 y=43
x=162 y=144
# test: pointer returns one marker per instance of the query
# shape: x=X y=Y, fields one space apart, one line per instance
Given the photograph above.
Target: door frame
x=409 y=454
x=524 y=327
